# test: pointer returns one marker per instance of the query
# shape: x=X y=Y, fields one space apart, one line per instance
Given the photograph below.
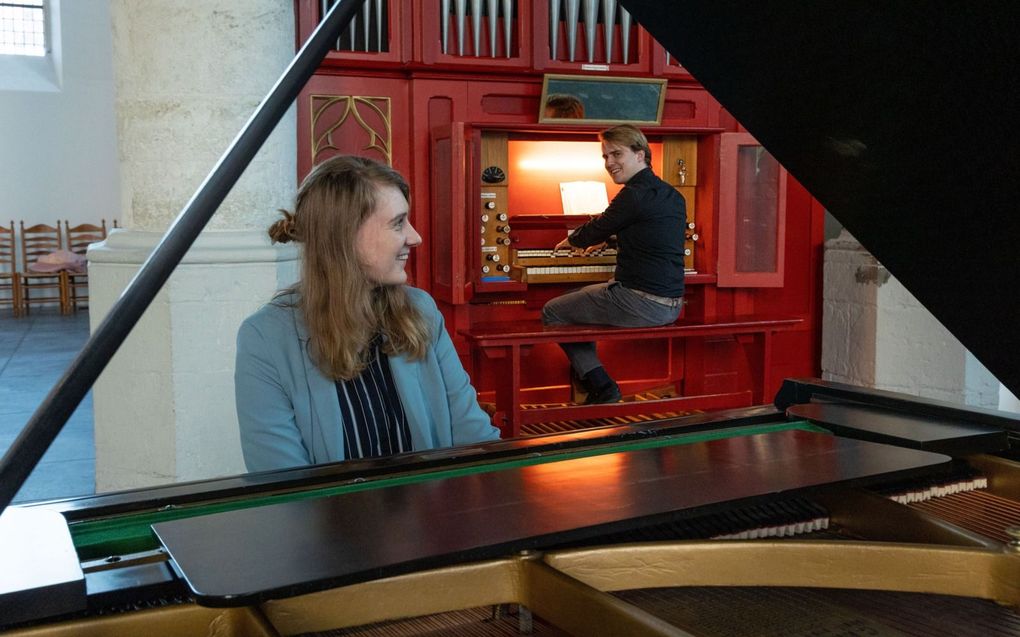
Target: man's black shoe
x=606 y=394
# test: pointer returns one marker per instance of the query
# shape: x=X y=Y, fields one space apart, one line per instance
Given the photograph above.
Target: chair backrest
x=37 y=241
x=7 y=251
x=79 y=237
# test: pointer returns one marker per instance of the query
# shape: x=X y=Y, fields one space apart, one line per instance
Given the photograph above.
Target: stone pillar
x=876 y=334
x=188 y=75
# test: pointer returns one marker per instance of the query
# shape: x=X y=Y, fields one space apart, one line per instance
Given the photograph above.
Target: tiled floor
x=34 y=352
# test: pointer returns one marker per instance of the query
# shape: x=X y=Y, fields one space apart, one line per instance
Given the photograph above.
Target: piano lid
x=900 y=118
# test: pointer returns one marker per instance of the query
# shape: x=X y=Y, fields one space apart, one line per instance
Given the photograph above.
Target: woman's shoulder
x=278 y=314
x=422 y=299
x=425 y=304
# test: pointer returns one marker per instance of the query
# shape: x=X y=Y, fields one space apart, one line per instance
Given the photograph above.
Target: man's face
x=621 y=162
x=385 y=239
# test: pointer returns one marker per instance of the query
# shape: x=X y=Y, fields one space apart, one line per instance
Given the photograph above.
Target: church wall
x=58 y=158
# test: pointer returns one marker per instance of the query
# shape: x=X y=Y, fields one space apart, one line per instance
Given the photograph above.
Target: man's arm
x=623 y=210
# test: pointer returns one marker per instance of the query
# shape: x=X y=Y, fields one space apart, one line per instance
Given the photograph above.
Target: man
x=648 y=218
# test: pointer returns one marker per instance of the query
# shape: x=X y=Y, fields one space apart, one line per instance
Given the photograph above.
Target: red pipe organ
x=449 y=93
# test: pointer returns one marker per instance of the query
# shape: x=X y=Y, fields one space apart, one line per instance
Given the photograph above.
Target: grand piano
x=837 y=510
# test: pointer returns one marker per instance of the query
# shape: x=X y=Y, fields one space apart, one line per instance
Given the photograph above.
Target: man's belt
x=661 y=300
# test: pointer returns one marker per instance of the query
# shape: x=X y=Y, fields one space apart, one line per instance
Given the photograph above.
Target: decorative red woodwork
x=752 y=214
x=690 y=108
x=453 y=160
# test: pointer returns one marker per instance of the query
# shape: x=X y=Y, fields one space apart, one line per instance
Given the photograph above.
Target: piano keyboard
x=786 y=518
x=963 y=480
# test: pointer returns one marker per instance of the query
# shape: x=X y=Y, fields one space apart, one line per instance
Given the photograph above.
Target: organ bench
x=509 y=343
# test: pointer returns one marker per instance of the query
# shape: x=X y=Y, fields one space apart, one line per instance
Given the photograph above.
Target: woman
x=350 y=362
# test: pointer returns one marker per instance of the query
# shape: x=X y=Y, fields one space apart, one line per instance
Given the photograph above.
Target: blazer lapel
x=407 y=378
x=326 y=431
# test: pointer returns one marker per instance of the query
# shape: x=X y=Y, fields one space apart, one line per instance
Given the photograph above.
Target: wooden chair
x=78 y=239
x=10 y=279
x=36 y=242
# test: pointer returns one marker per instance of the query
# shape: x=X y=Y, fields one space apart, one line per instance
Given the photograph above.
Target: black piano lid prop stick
x=47 y=421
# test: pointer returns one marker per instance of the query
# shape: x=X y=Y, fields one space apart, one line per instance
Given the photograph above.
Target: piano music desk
x=511 y=342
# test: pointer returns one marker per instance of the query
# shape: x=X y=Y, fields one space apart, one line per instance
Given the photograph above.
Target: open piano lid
x=900 y=118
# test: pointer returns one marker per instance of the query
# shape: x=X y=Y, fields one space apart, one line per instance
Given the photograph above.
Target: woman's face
x=385 y=239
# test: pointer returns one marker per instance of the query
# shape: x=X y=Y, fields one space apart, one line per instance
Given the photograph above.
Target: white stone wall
x=876 y=334
x=58 y=145
x=189 y=74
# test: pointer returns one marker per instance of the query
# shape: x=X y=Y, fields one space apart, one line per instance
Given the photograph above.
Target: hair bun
x=283 y=230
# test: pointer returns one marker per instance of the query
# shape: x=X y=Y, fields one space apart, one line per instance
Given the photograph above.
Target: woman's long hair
x=343 y=309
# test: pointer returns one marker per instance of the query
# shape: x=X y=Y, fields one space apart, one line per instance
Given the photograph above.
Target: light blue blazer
x=289 y=413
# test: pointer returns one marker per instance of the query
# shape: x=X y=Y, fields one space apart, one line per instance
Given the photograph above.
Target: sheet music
x=584 y=197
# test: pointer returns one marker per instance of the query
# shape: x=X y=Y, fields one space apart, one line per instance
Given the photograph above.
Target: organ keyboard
x=562 y=266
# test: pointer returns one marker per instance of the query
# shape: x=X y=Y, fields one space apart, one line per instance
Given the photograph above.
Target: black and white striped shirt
x=373 y=419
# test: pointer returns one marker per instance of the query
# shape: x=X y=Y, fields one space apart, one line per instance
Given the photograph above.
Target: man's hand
x=564 y=245
x=590 y=249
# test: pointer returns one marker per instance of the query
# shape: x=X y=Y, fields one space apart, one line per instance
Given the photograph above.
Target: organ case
x=465 y=132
